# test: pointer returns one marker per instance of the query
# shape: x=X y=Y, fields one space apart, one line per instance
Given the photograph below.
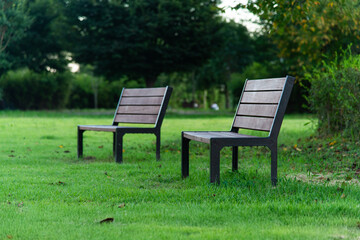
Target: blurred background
x=75 y=54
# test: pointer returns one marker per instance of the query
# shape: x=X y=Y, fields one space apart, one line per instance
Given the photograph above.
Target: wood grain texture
x=261 y=97
x=143 y=92
x=141 y=101
x=121 y=118
x=101 y=128
x=259 y=110
x=254 y=123
x=138 y=109
x=265 y=84
x=206 y=136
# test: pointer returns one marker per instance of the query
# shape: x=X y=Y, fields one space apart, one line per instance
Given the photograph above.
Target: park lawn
x=47 y=193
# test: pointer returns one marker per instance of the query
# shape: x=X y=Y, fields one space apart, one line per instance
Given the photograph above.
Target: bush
x=88 y=91
x=24 y=89
x=335 y=95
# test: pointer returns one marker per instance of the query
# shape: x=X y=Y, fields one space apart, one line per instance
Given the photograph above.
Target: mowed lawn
x=47 y=193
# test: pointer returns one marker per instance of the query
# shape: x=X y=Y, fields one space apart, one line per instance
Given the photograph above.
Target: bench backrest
x=142 y=105
x=262 y=104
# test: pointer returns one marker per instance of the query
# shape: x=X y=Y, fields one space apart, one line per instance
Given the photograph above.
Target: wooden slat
x=254 y=123
x=121 y=118
x=206 y=136
x=143 y=92
x=257 y=110
x=261 y=97
x=101 y=128
x=142 y=101
x=139 y=109
x=265 y=84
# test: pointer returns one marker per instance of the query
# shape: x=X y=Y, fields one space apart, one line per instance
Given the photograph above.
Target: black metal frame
x=217 y=143
x=120 y=131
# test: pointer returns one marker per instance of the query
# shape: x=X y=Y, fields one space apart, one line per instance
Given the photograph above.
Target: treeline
x=183 y=43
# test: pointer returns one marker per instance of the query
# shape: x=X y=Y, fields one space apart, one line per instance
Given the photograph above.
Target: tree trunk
x=227 y=97
x=205 y=99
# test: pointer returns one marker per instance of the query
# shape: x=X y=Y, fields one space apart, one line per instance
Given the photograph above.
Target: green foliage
x=13 y=23
x=25 y=89
x=233 y=55
x=88 y=91
x=306 y=30
x=335 y=95
x=142 y=39
x=41 y=48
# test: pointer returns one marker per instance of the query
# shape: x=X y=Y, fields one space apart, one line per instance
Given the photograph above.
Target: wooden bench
x=136 y=105
x=261 y=107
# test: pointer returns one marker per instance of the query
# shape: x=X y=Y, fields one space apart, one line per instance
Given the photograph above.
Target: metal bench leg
x=214 y=163
x=274 y=164
x=157 y=146
x=80 y=143
x=114 y=144
x=184 y=157
x=119 y=147
x=235 y=160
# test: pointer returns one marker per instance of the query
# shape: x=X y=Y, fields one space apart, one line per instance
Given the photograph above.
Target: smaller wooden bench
x=136 y=105
x=261 y=107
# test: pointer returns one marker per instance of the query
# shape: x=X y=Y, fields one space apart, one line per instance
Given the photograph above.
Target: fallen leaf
x=121 y=205
x=107 y=220
x=100 y=146
x=353 y=166
x=58 y=183
x=348 y=178
x=343 y=195
x=9 y=236
x=332 y=143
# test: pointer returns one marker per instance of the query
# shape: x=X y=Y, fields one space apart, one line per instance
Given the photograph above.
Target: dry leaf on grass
x=107 y=220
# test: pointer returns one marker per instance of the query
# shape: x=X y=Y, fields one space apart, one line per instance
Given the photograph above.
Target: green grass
x=47 y=193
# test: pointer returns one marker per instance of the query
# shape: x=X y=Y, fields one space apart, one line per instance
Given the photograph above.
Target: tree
x=236 y=51
x=13 y=23
x=41 y=48
x=306 y=30
x=144 y=38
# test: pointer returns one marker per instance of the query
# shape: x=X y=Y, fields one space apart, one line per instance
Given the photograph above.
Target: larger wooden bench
x=261 y=107
x=136 y=105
